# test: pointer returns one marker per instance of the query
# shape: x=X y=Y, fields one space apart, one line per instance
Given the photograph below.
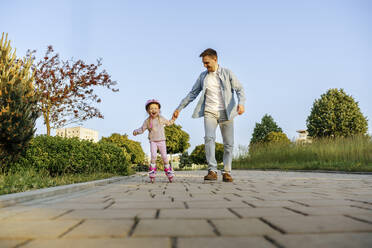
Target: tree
x=276 y=138
x=133 y=148
x=185 y=160
x=18 y=103
x=66 y=89
x=177 y=139
x=198 y=154
x=262 y=129
x=336 y=114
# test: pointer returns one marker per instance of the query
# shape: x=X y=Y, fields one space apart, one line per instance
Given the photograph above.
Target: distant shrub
x=59 y=156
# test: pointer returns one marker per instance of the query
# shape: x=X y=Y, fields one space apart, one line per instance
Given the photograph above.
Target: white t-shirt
x=213 y=95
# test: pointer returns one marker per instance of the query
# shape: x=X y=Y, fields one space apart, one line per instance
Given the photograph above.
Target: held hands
x=240 y=109
x=175 y=114
x=135 y=132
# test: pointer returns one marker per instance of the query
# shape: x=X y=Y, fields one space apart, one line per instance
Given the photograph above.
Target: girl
x=155 y=124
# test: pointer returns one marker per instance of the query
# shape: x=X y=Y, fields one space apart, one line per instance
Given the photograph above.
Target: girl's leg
x=153 y=150
x=152 y=169
x=163 y=151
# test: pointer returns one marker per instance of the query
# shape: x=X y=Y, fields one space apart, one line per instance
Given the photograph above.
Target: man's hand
x=135 y=133
x=240 y=109
x=175 y=114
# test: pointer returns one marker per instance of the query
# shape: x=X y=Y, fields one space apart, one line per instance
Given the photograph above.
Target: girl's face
x=153 y=110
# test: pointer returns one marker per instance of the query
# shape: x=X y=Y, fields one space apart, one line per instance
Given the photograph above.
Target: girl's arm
x=141 y=129
x=166 y=122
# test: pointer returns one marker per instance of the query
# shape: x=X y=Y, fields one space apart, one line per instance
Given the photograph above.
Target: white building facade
x=80 y=132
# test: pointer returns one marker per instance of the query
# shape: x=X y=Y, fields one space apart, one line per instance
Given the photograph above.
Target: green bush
x=60 y=156
x=277 y=137
x=197 y=156
x=336 y=114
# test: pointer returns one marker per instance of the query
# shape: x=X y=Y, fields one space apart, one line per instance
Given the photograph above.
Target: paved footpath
x=259 y=209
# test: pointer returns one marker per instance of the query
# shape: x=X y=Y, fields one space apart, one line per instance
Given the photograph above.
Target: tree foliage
x=18 y=103
x=277 y=137
x=133 y=148
x=262 y=129
x=177 y=139
x=185 y=160
x=67 y=89
x=198 y=154
x=336 y=114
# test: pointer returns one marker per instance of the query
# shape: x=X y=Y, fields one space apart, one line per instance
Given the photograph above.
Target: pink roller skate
x=152 y=173
x=169 y=173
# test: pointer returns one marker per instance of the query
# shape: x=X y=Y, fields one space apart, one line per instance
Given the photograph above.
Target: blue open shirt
x=229 y=84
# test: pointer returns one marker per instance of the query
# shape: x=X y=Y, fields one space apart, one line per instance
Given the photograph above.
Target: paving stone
x=318 y=224
x=109 y=214
x=196 y=214
x=34 y=229
x=363 y=216
x=75 y=206
x=101 y=228
x=263 y=212
x=242 y=227
x=148 y=205
x=315 y=203
x=331 y=210
x=37 y=214
x=8 y=243
x=223 y=242
x=216 y=204
x=173 y=228
x=99 y=243
x=328 y=240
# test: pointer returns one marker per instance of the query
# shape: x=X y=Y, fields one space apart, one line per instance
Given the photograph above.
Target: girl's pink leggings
x=154 y=146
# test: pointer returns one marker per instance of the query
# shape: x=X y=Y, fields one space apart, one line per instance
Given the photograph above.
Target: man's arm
x=194 y=92
x=237 y=86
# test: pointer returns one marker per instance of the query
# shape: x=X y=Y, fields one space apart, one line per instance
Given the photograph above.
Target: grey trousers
x=211 y=121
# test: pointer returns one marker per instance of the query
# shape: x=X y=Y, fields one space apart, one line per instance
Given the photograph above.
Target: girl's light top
x=155 y=127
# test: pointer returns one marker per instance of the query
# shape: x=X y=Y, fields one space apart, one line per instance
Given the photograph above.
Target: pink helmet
x=152 y=101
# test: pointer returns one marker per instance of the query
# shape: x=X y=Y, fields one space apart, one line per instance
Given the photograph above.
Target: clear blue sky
x=285 y=53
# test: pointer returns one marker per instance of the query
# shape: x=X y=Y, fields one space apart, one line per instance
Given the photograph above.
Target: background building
x=80 y=132
x=303 y=137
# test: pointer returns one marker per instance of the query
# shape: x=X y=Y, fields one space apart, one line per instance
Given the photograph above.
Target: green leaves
x=177 y=139
x=262 y=129
x=18 y=104
x=336 y=114
x=198 y=154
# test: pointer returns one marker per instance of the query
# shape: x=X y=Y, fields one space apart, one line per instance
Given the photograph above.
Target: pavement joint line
x=296 y=211
x=23 y=243
x=237 y=195
x=215 y=230
x=71 y=228
x=273 y=241
x=365 y=202
x=361 y=207
x=235 y=213
x=249 y=204
x=174 y=242
x=64 y=213
x=157 y=213
x=190 y=195
x=107 y=200
x=227 y=199
x=303 y=204
x=258 y=198
x=136 y=220
x=186 y=205
x=111 y=203
x=358 y=219
x=272 y=225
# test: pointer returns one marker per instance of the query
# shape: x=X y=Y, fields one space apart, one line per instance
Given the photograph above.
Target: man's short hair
x=208 y=52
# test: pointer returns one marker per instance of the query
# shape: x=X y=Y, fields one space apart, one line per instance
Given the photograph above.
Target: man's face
x=210 y=62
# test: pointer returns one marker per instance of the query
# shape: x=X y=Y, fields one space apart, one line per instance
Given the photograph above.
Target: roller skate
x=169 y=173
x=152 y=173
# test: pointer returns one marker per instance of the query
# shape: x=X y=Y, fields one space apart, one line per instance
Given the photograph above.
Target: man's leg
x=210 y=125
x=227 y=132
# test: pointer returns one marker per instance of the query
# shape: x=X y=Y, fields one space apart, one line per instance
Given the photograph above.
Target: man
x=217 y=105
